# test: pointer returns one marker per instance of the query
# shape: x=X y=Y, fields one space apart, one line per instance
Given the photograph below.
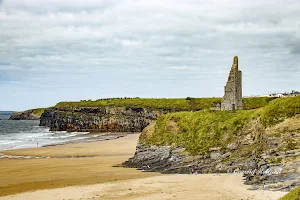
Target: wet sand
x=71 y=164
x=85 y=171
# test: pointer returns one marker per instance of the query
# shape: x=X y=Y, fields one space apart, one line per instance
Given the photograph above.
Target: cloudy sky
x=60 y=50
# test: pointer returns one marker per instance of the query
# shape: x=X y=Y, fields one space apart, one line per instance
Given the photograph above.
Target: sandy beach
x=85 y=171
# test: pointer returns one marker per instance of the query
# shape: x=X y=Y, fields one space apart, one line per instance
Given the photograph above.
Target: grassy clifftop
x=256 y=102
x=33 y=114
x=293 y=195
x=280 y=109
x=197 y=132
x=175 y=104
x=38 y=111
x=179 y=104
x=201 y=130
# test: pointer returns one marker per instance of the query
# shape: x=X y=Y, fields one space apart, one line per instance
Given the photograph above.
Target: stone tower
x=232 y=99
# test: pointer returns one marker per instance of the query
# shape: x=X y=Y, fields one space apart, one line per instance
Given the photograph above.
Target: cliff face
x=121 y=115
x=98 y=119
x=33 y=114
x=269 y=158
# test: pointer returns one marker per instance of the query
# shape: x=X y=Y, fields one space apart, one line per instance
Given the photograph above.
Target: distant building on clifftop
x=232 y=99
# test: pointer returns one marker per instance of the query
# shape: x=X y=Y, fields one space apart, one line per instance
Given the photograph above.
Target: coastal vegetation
x=265 y=140
x=33 y=114
x=176 y=104
x=293 y=195
x=199 y=131
x=256 y=102
x=162 y=103
x=127 y=114
x=38 y=111
x=280 y=109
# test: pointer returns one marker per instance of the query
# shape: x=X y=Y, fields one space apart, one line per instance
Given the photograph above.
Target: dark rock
x=98 y=119
x=263 y=162
x=26 y=115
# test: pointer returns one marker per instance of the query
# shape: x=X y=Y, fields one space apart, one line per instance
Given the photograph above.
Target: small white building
x=279 y=95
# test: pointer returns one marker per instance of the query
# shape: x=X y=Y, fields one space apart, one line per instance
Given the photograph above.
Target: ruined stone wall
x=232 y=99
x=239 y=90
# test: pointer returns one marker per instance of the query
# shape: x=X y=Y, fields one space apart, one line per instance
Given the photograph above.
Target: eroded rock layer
x=98 y=119
x=26 y=115
x=268 y=158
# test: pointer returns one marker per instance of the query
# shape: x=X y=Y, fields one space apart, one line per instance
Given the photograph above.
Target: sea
x=16 y=134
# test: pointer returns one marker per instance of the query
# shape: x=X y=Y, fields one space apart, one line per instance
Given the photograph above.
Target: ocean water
x=28 y=134
x=5 y=114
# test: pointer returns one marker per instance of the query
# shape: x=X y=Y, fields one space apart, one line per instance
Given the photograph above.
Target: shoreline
x=78 y=164
x=175 y=187
x=30 y=135
x=100 y=137
x=86 y=171
x=20 y=153
x=96 y=138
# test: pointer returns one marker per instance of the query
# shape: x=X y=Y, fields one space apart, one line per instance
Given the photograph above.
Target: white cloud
x=183 y=67
x=138 y=48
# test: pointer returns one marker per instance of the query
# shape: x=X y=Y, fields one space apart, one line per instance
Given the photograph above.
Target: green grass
x=179 y=104
x=167 y=104
x=201 y=130
x=38 y=111
x=293 y=195
x=280 y=109
x=256 y=102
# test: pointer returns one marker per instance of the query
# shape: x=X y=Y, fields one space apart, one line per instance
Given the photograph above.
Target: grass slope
x=38 y=111
x=280 y=109
x=201 y=130
x=293 y=195
x=174 y=104
x=256 y=102
x=179 y=104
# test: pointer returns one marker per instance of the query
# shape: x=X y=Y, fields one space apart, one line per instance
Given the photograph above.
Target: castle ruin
x=232 y=99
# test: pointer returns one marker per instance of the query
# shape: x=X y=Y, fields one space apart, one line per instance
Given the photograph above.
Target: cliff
x=116 y=115
x=98 y=119
x=293 y=195
x=33 y=114
x=263 y=144
x=123 y=115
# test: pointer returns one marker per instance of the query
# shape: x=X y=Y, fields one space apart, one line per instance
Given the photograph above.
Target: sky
x=54 y=50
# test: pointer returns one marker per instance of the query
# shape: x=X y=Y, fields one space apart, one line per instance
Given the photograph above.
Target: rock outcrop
x=99 y=119
x=117 y=114
x=33 y=114
x=269 y=159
